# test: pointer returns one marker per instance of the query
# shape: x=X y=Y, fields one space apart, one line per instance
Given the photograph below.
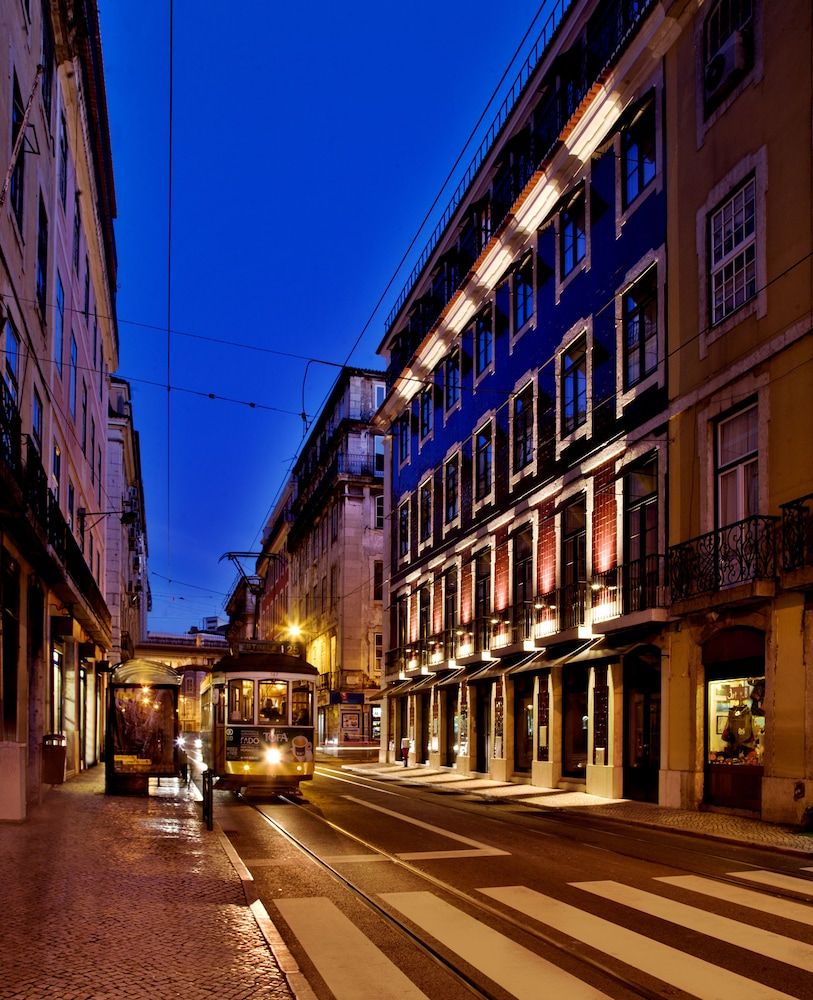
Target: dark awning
x=393 y=688
x=490 y=672
x=455 y=677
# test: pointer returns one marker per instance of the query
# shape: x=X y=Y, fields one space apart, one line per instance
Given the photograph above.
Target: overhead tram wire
x=409 y=248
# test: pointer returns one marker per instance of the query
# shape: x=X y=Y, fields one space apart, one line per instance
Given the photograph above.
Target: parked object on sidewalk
x=54 y=752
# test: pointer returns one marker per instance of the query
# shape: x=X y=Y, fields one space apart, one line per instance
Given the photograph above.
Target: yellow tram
x=257 y=715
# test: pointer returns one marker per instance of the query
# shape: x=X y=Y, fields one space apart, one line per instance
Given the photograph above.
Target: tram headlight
x=198 y=743
x=181 y=742
x=272 y=756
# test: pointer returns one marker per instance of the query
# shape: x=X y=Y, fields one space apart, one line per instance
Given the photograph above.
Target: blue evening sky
x=309 y=140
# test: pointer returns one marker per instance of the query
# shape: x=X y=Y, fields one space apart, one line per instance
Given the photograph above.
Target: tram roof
x=271 y=663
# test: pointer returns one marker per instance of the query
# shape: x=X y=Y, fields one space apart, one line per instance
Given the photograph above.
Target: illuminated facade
x=58 y=340
x=599 y=503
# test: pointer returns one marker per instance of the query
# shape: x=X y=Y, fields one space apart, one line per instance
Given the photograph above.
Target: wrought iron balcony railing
x=10 y=451
x=560 y=610
x=514 y=625
x=738 y=553
x=797 y=533
x=634 y=586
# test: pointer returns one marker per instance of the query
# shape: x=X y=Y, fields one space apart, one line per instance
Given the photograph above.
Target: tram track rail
x=561 y=944
x=609 y=827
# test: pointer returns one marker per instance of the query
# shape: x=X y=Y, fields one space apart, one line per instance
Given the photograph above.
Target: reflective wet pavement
x=126 y=898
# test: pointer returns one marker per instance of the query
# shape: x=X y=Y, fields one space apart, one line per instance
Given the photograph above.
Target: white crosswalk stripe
x=692 y=975
x=789 y=909
x=354 y=967
x=764 y=942
x=777 y=880
x=520 y=972
x=351 y=965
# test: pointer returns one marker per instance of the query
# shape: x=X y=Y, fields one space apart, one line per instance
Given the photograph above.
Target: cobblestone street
x=113 y=897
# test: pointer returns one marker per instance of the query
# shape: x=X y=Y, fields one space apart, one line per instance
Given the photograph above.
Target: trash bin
x=54 y=751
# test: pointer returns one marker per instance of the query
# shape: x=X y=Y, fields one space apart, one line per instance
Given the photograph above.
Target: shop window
x=736 y=721
x=574 y=721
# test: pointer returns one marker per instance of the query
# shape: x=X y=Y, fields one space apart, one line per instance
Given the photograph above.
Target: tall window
x=11 y=362
x=427 y=403
x=86 y=310
x=523 y=293
x=484 y=451
x=72 y=379
x=84 y=416
x=402 y=619
x=523 y=427
x=378 y=580
x=484 y=344
x=403 y=529
x=16 y=190
x=379 y=394
x=574 y=386
x=573 y=234
x=56 y=469
x=737 y=467
x=450 y=599
x=450 y=488
x=42 y=256
x=424 y=615
x=523 y=567
x=62 y=178
x=379 y=455
x=574 y=543
x=403 y=437
x=379 y=511
x=640 y=321
x=71 y=503
x=77 y=231
x=47 y=85
x=425 y=511
x=732 y=245
x=482 y=584
x=728 y=48
x=92 y=446
x=36 y=420
x=638 y=154
x=59 y=329
x=451 y=380
x=641 y=503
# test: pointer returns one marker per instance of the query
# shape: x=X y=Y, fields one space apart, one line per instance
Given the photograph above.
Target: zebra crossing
x=354 y=967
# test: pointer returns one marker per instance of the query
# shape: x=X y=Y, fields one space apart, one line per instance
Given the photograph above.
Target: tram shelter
x=142 y=726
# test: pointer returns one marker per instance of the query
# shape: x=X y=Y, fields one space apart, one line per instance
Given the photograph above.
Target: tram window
x=206 y=711
x=241 y=701
x=301 y=696
x=274 y=701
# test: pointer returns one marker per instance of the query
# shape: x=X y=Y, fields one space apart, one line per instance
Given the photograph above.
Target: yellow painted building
x=738 y=708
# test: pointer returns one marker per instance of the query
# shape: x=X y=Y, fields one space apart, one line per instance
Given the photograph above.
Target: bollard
x=208 y=799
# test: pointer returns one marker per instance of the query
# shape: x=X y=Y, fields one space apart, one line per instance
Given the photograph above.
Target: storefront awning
x=455 y=677
x=391 y=689
x=488 y=673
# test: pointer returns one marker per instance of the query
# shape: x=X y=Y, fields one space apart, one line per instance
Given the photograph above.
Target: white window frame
x=405 y=418
x=656 y=258
x=404 y=557
x=529 y=378
x=488 y=419
x=453 y=454
x=449 y=410
x=656 y=184
x=489 y=368
x=756 y=164
x=426 y=543
x=563 y=280
x=423 y=439
x=583 y=328
x=517 y=332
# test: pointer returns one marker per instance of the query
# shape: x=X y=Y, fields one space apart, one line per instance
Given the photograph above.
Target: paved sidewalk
x=718 y=826
x=124 y=898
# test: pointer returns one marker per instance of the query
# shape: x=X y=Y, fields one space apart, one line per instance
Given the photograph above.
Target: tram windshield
x=241 y=701
x=302 y=703
x=274 y=701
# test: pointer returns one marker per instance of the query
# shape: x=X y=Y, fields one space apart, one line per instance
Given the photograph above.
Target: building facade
x=59 y=339
x=335 y=565
x=574 y=376
x=740 y=458
x=127 y=581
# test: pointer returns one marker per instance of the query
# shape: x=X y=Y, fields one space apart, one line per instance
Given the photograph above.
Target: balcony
x=732 y=564
x=560 y=611
x=797 y=542
x=473 y=640
x=513 y=630
x=629 y=594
